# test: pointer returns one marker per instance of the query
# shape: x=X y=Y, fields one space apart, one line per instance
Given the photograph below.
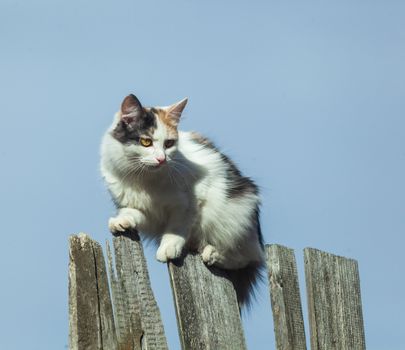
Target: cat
x=176 y=187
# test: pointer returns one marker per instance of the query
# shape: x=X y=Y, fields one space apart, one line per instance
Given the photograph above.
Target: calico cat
x=177 y=188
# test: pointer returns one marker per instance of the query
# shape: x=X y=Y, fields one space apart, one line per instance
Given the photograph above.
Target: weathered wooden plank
x=285 y=298
x=334 y=301
x=206 y=306
x=138 y=320
x=126 y=310
x=108 y=334
x=91 y=324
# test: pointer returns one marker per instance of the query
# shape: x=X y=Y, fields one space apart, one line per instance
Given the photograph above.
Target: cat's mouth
x=156 y=166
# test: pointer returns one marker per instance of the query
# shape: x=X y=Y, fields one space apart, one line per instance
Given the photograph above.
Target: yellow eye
x=145 y=142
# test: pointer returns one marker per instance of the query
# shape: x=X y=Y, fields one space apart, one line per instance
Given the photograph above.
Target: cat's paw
x=121 y=223
x=170 y=249
x=210 y=255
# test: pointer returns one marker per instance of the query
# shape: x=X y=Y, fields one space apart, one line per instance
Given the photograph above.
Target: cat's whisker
x=185 y=167
x=187 y=184
x=129 y=171
x=169 y=172
x=190 y=172
x=172 y=178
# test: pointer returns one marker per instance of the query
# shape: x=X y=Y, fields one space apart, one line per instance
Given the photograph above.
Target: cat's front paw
x=121 y=223
x=210 y=255
x=170 y=249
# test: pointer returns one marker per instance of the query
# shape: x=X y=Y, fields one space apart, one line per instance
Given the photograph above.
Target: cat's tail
x=245 y=281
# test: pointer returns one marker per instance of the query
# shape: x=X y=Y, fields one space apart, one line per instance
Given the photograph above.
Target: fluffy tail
x=245 y=282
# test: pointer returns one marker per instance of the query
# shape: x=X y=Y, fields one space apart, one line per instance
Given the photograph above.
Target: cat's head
x=149 y=135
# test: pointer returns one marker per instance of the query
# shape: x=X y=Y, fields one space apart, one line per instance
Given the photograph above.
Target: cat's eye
x=145 y=142
x=169 y=143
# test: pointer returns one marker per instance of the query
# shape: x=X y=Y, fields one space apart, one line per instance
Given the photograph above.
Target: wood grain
x=91 y=323
x=206 y=306
x=138 y=320
x=285 y=298
x=334 y=301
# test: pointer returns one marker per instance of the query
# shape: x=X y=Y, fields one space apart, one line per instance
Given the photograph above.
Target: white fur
x=182 y=203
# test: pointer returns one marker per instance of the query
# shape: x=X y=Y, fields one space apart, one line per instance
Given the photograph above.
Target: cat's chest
x=148 y=198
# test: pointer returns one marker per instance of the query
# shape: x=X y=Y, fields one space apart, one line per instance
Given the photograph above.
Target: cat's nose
x=161 y=160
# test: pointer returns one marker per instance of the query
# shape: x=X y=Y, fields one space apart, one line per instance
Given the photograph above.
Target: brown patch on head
x=170 y=116
x=167 y=119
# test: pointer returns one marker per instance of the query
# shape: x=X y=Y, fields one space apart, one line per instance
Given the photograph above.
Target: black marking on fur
x=114 y=200
x=245 y=282
x=258 y=227
x=238 y=185
x=203 y=141
x=130 y=130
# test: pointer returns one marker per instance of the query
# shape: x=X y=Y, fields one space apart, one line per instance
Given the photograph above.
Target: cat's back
x=199 y=150
x=217 y=170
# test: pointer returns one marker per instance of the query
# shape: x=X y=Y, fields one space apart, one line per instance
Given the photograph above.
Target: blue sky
x=307 y=97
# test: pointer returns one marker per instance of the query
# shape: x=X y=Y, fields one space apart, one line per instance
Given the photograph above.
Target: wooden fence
x=205 y=301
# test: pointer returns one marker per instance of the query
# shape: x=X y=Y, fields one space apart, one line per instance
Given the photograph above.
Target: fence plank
x=91 y=323
x=285 y=298
x=139 y=324
x=334 y=301
x=206 y=306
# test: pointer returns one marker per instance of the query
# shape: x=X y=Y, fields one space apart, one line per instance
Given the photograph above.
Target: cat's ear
x=176 y=109
x=131 y=108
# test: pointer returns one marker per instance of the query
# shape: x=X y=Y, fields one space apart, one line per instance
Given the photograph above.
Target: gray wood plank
x=108 y=334
x=91 y=323
x=206 y=306
x=334 y=301
x=138 y=320
x=285 y=298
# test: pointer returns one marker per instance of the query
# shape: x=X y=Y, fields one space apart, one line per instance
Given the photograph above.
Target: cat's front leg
x=173 y=241
x=126 y=219
x=171 y=247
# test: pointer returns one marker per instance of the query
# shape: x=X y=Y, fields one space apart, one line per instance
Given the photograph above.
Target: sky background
x=308 y=97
